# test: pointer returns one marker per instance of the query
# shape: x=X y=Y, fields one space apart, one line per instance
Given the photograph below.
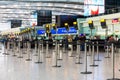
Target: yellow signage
x=74 y=23
x=66 y=24
x=90 y=21
x=102 y=20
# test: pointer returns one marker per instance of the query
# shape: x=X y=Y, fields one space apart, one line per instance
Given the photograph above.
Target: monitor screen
x=61 y=19
x=33 y=19
x=93 y=7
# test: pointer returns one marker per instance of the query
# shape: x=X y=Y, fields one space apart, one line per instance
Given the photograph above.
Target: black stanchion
x=98 y=55
x=113 y=63
x=56 y=57
x=78 y=54
x=28 y=52
x=86 y=70
x=93 y=56
x=39 y=55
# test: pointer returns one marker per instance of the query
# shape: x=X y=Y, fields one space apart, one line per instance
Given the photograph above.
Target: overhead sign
x=40 y=32
x=115 y=20
x=72 y=30
x=94 y=7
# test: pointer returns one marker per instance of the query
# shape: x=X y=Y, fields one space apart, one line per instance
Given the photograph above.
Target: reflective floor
x=14 y=68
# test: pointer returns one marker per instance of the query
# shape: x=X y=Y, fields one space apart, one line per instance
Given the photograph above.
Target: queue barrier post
x=98 y=55
x=39 y=54
x=86 y=64
x=56 y=56
x=28 y=52
x=78 y=56
x=113 y=63
x=93 y=56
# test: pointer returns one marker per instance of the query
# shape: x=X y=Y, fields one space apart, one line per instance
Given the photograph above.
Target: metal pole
x=36 y=49
x=42 y=47
x=59 y=53
x=56 y=57
x=7 y=48
x=24 y=47
x=47 y=53
x=78 y=56
x=86 y=71
x=64 y=50
x=108 y=55
x=71 y=53
x=14 y=47
x=39 y=54
x=93 y=56
x=20 y=51
x=98 y=56
x=113 y=64
x=4 y=48
x=28 y=51
x=89 y=51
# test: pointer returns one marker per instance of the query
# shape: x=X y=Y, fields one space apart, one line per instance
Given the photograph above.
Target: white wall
x=112 y=28
x=5 y=26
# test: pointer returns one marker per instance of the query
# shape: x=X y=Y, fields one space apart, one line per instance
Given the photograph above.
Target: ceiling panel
x=22 y=9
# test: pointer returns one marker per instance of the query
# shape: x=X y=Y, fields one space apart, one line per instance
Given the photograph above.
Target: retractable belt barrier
x=90 y=44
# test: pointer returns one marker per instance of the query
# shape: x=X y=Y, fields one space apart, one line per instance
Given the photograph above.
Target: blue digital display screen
x=40 y=32
x=60 y=31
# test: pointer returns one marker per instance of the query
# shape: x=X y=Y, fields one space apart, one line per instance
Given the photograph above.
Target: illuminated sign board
x=33 y=21
x=115 y=20
x=72 y=30
x=40 y=32
x=93 y=7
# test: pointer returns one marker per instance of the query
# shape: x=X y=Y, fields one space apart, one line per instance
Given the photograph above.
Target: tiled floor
x=13 y=68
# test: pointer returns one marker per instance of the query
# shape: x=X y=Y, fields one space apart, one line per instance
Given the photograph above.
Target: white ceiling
x=19 y=9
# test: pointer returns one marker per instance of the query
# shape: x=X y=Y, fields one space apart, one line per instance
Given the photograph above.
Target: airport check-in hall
x=59 y=40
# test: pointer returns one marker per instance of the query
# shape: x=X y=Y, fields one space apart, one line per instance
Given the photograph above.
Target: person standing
x=75 y=42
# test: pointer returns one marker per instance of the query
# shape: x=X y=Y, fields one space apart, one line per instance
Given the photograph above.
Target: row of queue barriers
x=90 y=47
